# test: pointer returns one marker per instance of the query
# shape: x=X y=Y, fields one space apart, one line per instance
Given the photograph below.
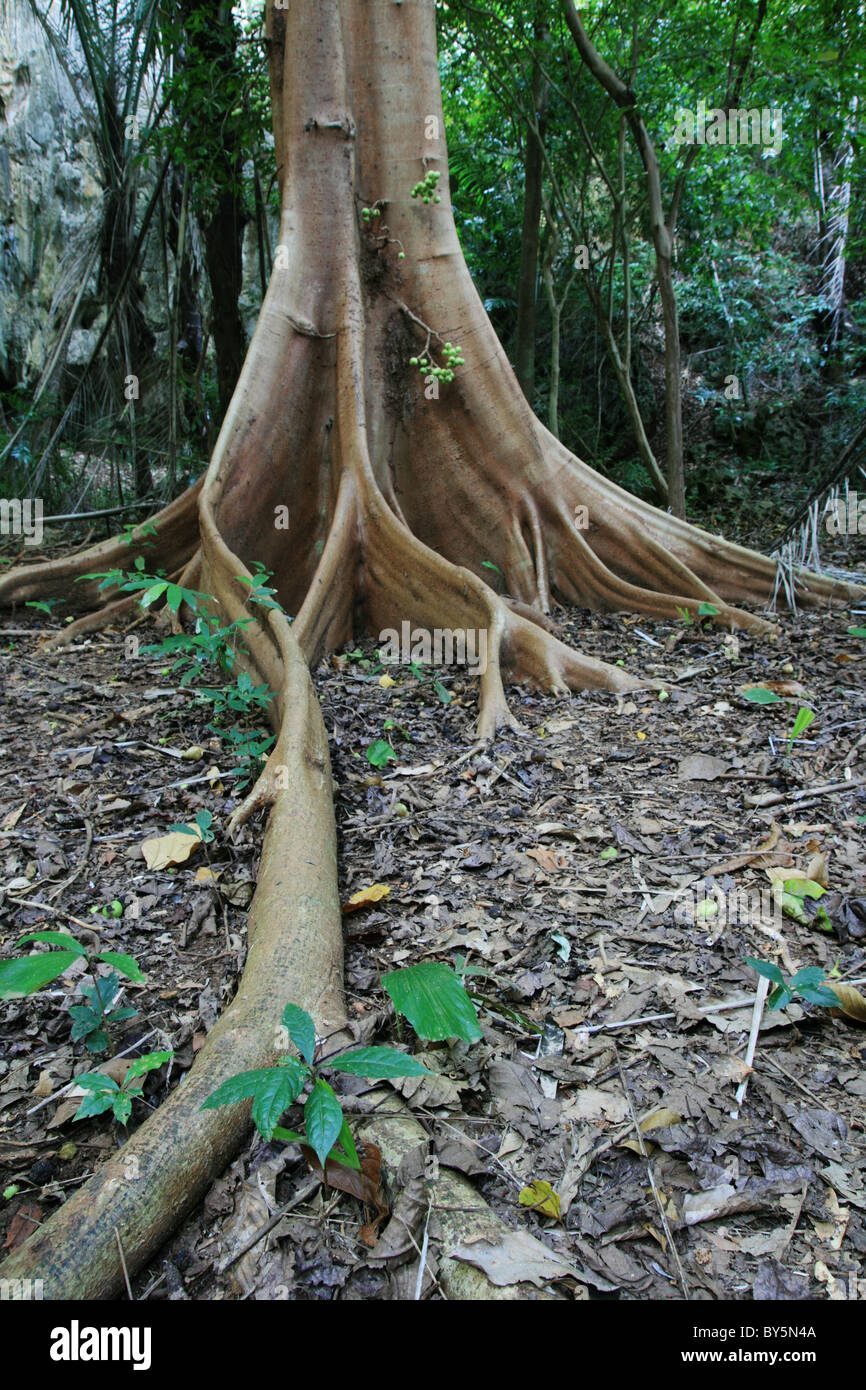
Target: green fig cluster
x=426 y=189
x=369 y=213
x=453 y=358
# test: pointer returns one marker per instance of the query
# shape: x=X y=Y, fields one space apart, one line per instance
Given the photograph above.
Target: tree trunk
x=398 y=489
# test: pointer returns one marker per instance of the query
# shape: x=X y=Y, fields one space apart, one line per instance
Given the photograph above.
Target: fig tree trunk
x=399 y=485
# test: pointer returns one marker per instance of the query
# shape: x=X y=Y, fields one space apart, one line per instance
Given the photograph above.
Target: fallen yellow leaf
x=365 y=896
x=540 y=1196
x=205 y=875
x=173 y=848
x=386 y=682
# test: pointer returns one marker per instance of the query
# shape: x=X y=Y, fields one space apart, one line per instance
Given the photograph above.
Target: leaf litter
x=580 y=875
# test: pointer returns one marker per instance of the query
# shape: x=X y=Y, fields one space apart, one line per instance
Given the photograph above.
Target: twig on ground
x=662 y=1213
x=757 y=1014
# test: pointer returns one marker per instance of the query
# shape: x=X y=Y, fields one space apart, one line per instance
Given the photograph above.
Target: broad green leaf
x=857 y=631
x=152 y=594
x=819 y=994
x=344 y=1150
x=812 y=975
x=301 y=1029
x=288 y=1136
x=803 y=888
x=25 y=976
x=759 y=696
x=434 y=1001
x=125 y=964
x=804 y=718
x=380 y=753
x=97 y=1081
x=85 y=1020
x=122 y=1107
x=272 y=1089
x=780 y=997
x=55 y=938
x=323 y=1120
x=707 y=610
x=94 y=1104
x=377 y=1062
x=149 y=1062
x=767 y=969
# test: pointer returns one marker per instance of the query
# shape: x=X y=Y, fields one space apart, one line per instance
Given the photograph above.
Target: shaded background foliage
x=769 y=251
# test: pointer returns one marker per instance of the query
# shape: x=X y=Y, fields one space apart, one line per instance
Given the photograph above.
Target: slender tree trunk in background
x=833 y=188
x=662 y=237
x=398 y=487
x=223 y=239
x=134 y=341
x=527 y=284
x=223 y=218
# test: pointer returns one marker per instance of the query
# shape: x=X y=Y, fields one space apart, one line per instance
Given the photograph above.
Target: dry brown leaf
x=851 y=1001
x=14 y=816
x=548 y=859
x=22 y=1225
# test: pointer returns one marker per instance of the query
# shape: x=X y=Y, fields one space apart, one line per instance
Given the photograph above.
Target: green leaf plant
x=92 y=1021
x=808 y=984
x=103 y=1093
x=273 y=1090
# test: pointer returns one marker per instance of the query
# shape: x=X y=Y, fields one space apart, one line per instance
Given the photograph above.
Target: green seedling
x=103 y=1092
x=91 y=1021
x=259 y=591
x=380 y=752
x=26 y=975
x=203 y=822
x=150 y=587
x=806 y=984
x=685 y=615
x=708 y=610
x=801 y=723
x=445 y=696
x=273 y=1090
x=45 y=605
x=132 y=533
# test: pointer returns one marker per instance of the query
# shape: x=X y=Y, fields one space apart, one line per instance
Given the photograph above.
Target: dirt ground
x=609 y=870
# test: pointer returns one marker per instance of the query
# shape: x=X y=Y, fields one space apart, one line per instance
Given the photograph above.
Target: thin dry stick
x=423 y=1261
x=123 y=1266
x=637 y=1129
x=55 y=911
x=306 y=1191
x=405 y=1225
x=757 y=1014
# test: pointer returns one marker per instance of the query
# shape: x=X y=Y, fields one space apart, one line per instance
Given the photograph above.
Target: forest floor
x=588 y=867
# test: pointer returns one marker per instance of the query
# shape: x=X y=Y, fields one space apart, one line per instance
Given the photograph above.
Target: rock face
x=50 y=197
